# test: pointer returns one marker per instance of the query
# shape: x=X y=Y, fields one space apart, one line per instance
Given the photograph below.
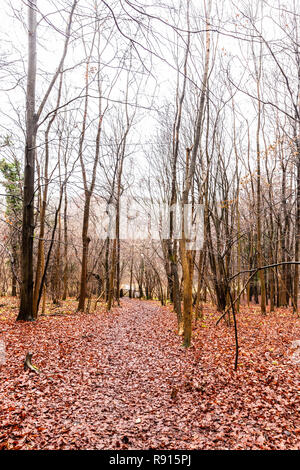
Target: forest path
x=121 y=380
x=142 y=363
x=106 y=381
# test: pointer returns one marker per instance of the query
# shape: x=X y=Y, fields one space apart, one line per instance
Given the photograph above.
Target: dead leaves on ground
x=121 y=380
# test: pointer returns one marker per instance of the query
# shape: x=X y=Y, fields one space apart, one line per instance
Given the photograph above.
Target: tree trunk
x=66 y=271
x=297 y=230
x=258 y=208
x=26 y=301
x=85 y=249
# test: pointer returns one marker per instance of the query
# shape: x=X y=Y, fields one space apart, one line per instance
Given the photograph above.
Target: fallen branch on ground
x=29 y=365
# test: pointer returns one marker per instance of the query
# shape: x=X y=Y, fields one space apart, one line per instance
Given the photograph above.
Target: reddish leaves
x=108 y=380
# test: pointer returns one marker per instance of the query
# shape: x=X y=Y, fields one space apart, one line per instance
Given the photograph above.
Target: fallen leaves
x=121 y=380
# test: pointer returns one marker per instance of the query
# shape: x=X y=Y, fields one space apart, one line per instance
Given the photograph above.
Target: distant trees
x=223 y=134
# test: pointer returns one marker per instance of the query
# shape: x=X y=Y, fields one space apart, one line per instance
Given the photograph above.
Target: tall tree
x=26 y=311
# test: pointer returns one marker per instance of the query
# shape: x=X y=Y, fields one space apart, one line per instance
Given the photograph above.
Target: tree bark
x=26 y=301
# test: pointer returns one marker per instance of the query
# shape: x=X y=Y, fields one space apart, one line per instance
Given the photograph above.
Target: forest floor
x=121 y=380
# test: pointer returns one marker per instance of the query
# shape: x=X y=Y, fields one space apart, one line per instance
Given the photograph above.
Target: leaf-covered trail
x=107 y=383
x=122 y=380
